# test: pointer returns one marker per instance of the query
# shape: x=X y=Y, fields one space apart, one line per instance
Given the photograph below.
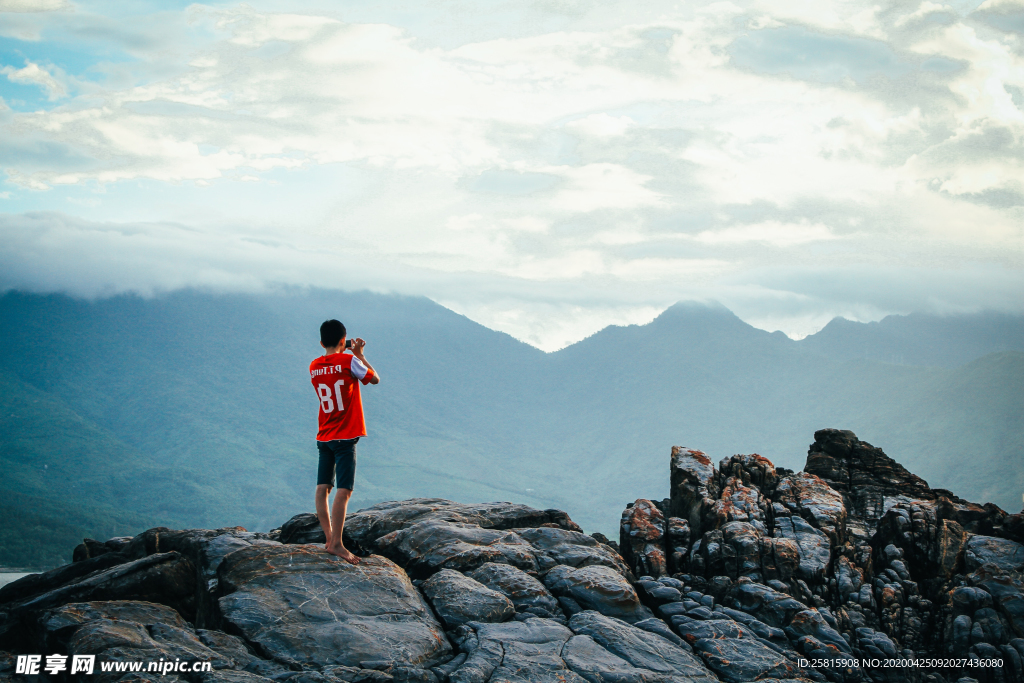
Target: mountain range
x=194 y=409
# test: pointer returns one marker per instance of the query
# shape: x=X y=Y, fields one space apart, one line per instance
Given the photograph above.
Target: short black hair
x=331 y=332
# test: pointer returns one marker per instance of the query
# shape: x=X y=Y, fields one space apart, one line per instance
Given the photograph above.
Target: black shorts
x=337 y=458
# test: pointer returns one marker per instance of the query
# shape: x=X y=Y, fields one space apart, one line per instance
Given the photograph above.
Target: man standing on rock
x=336 y=376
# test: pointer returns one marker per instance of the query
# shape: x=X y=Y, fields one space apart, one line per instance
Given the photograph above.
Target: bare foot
x=342 y=552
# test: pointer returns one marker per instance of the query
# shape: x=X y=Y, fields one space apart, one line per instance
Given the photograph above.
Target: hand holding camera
x=356 y=346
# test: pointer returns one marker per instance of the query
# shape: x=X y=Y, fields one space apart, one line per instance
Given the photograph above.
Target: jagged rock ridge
x=854 y=556
x=745 y=572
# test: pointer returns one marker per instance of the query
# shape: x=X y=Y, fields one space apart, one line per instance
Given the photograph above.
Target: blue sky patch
x=808 y=56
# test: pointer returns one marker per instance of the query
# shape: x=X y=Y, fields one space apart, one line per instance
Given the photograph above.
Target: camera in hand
x=348 y=343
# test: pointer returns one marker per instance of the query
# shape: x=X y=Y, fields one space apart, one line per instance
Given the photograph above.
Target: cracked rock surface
x=458 y=599
x=300 y=605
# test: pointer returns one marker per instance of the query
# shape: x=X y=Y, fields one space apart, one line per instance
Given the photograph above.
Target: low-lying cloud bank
x=56 y=252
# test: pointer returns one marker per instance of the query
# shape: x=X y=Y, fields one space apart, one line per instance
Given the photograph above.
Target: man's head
x=331 y=333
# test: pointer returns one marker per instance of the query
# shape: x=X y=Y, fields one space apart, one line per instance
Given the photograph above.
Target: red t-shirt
x=336 y=382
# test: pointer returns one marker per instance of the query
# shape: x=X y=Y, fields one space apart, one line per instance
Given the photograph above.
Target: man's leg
x=339 y=509
x=324 y=484
x=323 y=512
x=345 y=464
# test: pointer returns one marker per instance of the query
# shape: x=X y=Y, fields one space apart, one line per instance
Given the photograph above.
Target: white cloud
x=362 y=93
x=992 y=66
x=1001 y=5
x=517 y=224
x=924 y=9
x=527 y=224
x=52 y=251
x=34 y=74
x=860 y=18
x=547 y=301
x=646 y=269
x=603 y=186
x=770 y=232
x=551 y=326
x=602 y=125
x=579 y=166
x=467 y=222
x=34 y=5
x=764 y=21
x=252 y=29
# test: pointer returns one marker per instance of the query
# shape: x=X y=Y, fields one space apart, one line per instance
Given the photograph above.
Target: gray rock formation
x=526 y=651
x=458 y=599
x=596 y=588
x=813 y=548
x=642 y=534
x=643 y=650
x=168 y=578
x=367 y=525
x=746 y=573
x=427 y=547
x=854 y=556
x=301 y=606
x=126 y=630
x=554 y=546
x=526 y=592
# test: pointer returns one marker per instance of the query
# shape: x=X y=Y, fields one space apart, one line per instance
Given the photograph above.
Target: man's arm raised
x=358 y=344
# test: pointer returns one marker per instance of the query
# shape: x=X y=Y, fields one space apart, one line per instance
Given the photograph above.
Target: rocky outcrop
x=301 y=606
x=642 y=538
x=128 y=630
x=641 y=649
x=528 y=650
x=430 y=546
x=444 y=592
x=36 y=584
x=458 y=599
x=868 y=479
x=526 y=593
x=595 y=588
x=168 y=578
x=854 y=556
x=90 y=548
x=747 y=572
x=206 y=549
x=809 y=497
x=694 y=488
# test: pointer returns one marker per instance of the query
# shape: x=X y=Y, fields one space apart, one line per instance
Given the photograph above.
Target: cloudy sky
x=546 y=167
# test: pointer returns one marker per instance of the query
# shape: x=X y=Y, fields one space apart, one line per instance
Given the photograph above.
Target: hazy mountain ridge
x=712 y=382
x=63 y=477
x=919 y=339
x=211 y=392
